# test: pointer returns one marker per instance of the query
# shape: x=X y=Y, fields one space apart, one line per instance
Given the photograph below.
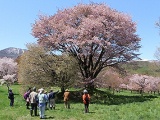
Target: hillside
x=151 y=68
x=11 y=52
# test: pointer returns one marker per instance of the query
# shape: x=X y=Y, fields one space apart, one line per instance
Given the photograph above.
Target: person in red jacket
x=86 y=100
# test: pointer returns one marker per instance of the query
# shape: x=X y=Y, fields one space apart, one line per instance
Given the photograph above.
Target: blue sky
x=17 y=17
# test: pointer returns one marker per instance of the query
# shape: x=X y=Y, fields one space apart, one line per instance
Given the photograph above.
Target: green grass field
x=123 y=106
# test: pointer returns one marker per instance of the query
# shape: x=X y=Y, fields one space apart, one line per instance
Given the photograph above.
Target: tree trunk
x=90 y=87
x=154 y=92
x=89 y=84
x=62 y=89
x=8 y=87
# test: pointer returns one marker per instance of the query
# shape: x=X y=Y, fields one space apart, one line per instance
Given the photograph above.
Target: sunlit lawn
x=124 y=107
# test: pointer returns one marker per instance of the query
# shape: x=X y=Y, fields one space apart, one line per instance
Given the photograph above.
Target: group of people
x=41 y=100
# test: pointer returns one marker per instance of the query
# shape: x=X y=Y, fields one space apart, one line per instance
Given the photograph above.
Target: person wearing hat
x=42 y=102
x=33 y=96
x=51 y=99
x=66 y=99
x=11 y=97
x=46 y=94
x=86 y=100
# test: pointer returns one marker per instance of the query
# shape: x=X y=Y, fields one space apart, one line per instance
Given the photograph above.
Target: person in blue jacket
x=51 y=99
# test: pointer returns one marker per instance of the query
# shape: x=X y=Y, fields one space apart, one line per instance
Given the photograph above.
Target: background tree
x=109 y=78
x=157 y=52
x=39 y=67
x=96 y=35
x=10 y=78
x=139 y=82
x=157 y=56
x=8 y=71
x=8 y=67
x=67 y=72
x=33 y=69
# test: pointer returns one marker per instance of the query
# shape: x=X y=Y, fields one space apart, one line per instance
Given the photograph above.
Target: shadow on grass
x=49 y=117
x=92 y=112
x=122 y=99
x=105 y=97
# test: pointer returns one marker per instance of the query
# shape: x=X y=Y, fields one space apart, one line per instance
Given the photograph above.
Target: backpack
x=25 y=95
x=86 y=98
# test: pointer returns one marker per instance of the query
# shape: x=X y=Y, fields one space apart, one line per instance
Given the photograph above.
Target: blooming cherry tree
x=109 y=78
x=96 y=35
x=143 y=83
x=7 y=67
x=153 y=85
x=10 y=78
x=8 y=71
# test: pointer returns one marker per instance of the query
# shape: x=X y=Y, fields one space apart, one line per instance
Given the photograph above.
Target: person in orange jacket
x=86 y=100
x=66 y=99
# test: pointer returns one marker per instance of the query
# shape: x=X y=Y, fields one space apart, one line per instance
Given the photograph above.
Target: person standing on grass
x=26 y=97
x=46 y=94
x=48 y=100
x=42 y=103
x=66 y=99
x=86 y=101
x=33 y=96
x=52 y=99
x=11 y=97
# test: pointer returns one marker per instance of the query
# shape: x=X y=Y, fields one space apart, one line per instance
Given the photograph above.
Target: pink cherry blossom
x=96 y=35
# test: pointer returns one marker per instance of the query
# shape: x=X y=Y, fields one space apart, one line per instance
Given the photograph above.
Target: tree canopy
x=39 y=67
x=96 y=35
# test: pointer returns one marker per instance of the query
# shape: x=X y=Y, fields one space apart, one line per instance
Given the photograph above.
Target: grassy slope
x=133 y=110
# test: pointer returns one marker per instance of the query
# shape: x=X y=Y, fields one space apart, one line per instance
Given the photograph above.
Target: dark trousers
x=11 y=102
x=33 y=108
x=27 y=105
x=86 y=108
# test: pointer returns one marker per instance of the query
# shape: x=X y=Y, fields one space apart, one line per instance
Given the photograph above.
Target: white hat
x=41 y=90
x=66 y=90
x=85 y=91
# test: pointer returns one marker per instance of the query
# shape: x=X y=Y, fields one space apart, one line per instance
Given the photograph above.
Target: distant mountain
x=11 y=52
